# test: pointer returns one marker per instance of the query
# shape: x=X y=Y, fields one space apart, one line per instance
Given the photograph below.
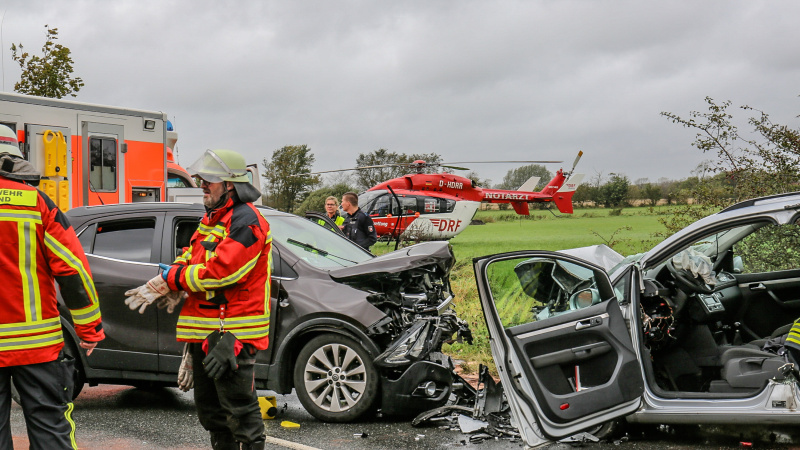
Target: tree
x=743 y=168
x=366 y=178
x=517 y=177
x=651 y=193
x=315 y=200
x=49 y=75
x=286 y=189
x=615 y=191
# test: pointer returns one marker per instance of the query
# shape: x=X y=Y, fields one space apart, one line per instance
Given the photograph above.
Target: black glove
x=222 y=354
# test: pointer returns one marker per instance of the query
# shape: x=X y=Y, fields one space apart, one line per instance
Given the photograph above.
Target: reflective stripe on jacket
x=38 y=247
x=227 y=264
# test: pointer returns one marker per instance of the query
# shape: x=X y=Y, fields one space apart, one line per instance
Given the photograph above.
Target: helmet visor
x=212 y=168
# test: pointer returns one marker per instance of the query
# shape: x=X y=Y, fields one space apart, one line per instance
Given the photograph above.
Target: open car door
x=323 y=220
x=560 y=343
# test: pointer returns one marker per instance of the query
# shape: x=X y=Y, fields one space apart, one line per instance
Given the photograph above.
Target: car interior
x=722 y=338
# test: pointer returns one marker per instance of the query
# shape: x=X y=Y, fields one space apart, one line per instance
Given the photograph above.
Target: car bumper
x=406 y=395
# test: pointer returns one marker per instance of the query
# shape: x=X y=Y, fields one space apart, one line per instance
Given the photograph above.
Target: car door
x=324 y=221
x=560 y=342
x=123 y=254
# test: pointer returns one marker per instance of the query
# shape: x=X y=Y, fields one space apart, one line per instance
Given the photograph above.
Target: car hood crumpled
x=436 y=253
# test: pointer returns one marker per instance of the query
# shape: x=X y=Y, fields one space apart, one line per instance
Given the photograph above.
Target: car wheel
x=608 y=430
x=335 y=379
x=78 y=377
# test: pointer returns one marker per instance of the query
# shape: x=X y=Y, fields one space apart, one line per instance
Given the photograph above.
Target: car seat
x=747 y=367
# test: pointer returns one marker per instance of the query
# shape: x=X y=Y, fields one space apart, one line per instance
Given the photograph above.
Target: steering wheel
x=685 y=280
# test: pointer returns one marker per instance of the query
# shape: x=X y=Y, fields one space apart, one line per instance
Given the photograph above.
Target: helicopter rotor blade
x=452 y=167
x=578 y=158
x=502 y=162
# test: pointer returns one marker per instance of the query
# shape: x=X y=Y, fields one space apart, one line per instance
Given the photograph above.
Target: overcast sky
x=469 y=80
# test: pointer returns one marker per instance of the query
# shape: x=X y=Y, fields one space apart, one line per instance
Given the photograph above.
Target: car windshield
x=314 y=244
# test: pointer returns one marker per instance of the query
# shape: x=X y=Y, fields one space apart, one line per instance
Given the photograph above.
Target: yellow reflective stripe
x=86 y=315
x=31 y=297
x=193 y=334
x=211 y=283
x=18 y=197
x=40 y=327
x=191 y=276
x=36 y=341
x=68 y=415
x=240 y=332
x=21 y=216
x=73 y=261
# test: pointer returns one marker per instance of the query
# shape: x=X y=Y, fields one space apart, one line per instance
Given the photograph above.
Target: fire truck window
x=103 y=164
x=177 y=181
x=127 y=240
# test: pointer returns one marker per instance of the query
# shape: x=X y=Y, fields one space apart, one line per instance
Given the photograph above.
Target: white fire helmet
x=8 y=141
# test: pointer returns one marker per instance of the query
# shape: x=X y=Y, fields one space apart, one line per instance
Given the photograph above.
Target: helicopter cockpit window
x=366 y=201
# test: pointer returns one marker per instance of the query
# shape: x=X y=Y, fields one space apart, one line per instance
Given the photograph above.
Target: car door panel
x=131 y=338
x=567 y=363
x=566 y=357
x=770 y=300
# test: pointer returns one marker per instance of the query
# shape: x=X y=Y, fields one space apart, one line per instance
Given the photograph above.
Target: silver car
x=686 y=333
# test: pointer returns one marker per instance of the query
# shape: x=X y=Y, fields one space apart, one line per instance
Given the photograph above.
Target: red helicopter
x=440 y=206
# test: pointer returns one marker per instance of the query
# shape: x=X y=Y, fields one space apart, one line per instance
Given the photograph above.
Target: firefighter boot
x=257 y=445
x=223 y=440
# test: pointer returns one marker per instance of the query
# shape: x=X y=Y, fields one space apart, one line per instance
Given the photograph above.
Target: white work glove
x=142 y=296
x=171 y=300
x=185 y=372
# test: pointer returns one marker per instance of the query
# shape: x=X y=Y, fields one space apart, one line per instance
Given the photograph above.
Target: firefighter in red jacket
x=38 y=247
x=225 y=318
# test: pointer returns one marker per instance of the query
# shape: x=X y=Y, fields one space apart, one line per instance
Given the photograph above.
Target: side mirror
x=738 y=265
x=584 y=299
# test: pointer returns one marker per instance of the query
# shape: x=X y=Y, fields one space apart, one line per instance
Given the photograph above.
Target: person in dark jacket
x=358 y=227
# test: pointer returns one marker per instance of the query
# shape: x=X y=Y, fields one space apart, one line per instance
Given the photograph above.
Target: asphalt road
x=121 y=417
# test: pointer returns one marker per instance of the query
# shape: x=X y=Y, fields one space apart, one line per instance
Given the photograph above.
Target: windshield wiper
x=319 y=251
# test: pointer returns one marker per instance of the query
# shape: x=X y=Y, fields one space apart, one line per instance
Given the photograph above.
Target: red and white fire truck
x=92 y=154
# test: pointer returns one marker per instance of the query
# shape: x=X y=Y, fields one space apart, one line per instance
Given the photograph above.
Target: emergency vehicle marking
x=451 y=184
x=505 y=196
x=446 y=224
x=18 y=197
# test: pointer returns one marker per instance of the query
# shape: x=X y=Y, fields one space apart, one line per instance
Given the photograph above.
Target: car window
x=129 y=240
x=527 y=290
x=315 y=244
x=183 y=231
x=769 y=249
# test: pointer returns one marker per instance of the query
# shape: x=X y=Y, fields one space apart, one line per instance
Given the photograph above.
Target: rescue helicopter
x=423 y=206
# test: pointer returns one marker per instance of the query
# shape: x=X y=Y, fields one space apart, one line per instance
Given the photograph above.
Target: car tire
x=335 y=379
x=77 y=376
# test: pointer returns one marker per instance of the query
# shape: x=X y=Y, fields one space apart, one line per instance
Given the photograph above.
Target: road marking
x=288 y=444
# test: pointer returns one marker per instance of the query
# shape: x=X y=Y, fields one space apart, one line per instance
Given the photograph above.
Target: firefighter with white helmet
x=225 y=318
x=41 y=249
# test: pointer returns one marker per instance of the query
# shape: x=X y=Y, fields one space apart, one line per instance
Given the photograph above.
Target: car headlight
x=408 y=347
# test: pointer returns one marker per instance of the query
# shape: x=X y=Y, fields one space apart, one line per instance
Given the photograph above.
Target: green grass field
x=628 y=233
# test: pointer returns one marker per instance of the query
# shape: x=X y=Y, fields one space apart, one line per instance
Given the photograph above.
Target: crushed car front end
x=412 y=288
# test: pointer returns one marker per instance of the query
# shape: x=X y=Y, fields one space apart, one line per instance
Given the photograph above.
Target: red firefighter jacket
x=39 y=245
x=226 y=273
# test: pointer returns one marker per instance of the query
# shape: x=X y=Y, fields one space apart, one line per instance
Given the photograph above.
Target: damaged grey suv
x=349 y=331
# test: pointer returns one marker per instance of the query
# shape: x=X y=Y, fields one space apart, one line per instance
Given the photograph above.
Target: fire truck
x=93 y=154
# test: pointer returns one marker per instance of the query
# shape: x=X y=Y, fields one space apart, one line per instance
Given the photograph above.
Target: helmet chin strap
x=222 y=200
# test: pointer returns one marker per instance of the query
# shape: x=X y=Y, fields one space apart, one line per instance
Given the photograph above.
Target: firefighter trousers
x=45 y=391
x=228 y=407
